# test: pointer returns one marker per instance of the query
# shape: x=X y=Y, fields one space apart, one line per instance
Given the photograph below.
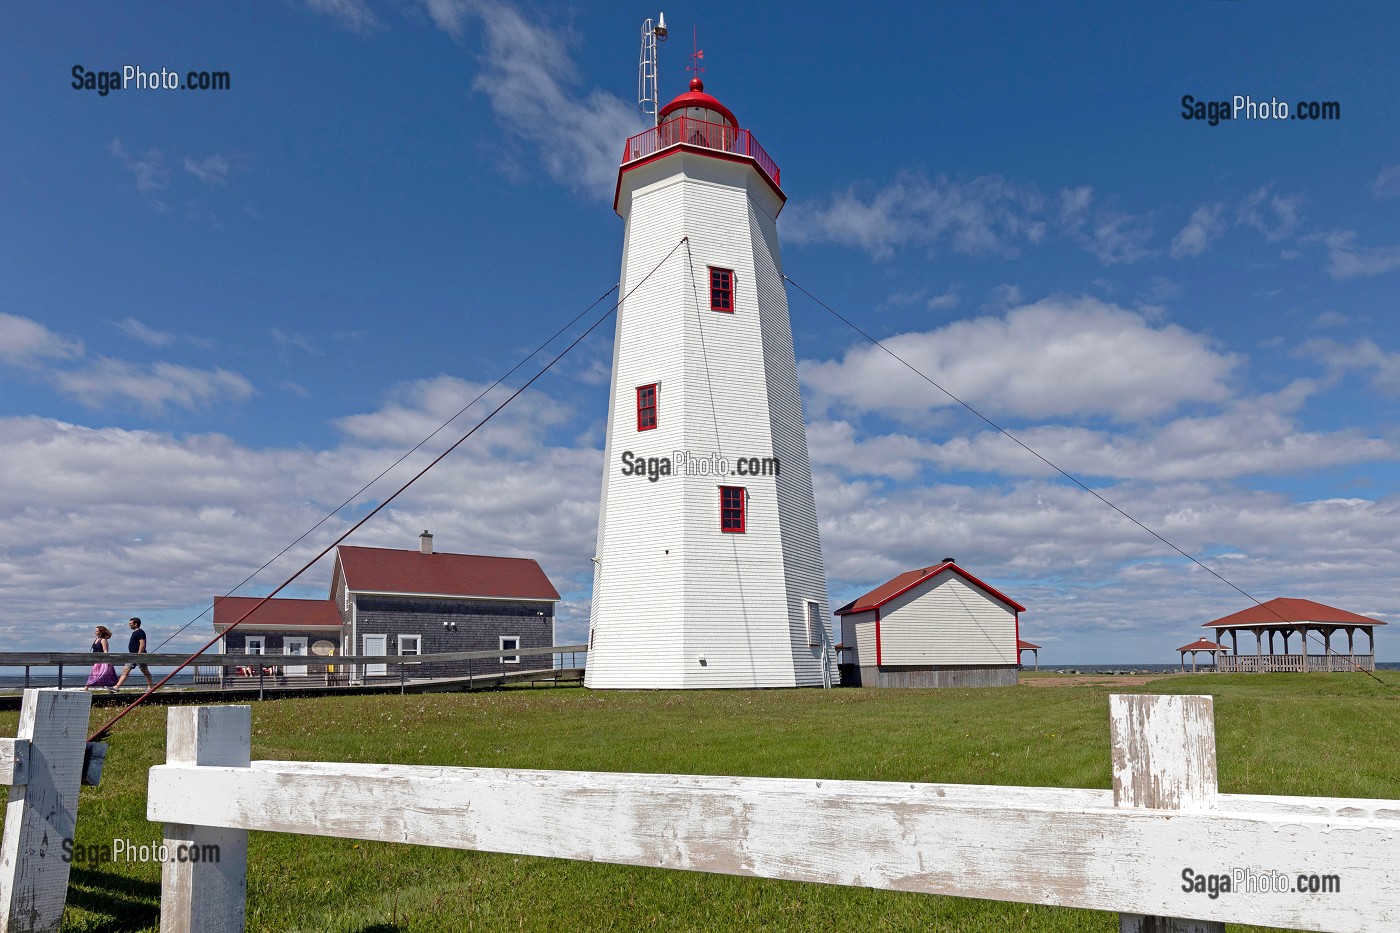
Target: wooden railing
x=692 y=132
x=226 y=669
x=1122 y=850
x=1294 y=663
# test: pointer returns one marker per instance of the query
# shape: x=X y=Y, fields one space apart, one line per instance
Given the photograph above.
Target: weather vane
x=696 y=54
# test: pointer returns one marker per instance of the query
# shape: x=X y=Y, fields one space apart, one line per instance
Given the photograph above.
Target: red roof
x=1202 y=645
x=907 y=581
x=1284 y=609
x=387 y=570
x=1025 y=645
x=275 y=613
x=696 y=97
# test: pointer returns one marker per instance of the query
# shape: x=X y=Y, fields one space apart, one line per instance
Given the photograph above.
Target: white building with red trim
x=936 y=626
x=708 y=569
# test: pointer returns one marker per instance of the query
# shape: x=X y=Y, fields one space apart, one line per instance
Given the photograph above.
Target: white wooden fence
x=1122 y=850
x=43 y=767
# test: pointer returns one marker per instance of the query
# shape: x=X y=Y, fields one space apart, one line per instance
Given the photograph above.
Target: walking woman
x=103 y=675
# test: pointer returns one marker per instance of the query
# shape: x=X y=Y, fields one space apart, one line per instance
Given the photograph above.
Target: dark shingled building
x=385 y=601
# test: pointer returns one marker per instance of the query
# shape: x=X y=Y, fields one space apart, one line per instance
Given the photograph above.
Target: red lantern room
x=698 y=121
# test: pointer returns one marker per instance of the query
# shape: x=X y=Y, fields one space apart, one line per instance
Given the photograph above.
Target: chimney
x=425 y=543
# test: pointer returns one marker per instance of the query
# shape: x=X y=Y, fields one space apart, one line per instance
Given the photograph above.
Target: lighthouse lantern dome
x=695 y=104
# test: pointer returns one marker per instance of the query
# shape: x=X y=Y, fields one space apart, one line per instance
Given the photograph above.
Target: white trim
x=512 y=659
x=417 y=645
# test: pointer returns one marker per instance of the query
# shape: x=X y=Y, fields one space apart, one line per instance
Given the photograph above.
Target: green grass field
x=1321 y=735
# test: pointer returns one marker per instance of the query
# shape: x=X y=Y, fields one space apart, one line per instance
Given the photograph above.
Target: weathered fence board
x=1047 y=846
x=206 y=896
x=14 y=761
x=1163 y=759
x=42 y=811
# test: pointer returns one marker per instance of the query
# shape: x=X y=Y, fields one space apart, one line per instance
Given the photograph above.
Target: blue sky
x=222 y=312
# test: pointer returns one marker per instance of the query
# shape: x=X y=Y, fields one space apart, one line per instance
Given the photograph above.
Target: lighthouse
x=708 y=569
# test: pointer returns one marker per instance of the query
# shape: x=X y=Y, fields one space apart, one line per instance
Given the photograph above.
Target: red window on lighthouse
x=721 y=289
x=731 y=509
x=646 y=407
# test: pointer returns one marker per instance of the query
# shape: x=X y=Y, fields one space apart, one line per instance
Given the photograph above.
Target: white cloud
x=1363 y=355
x=943 y=302
x=1055 y=357
x=1387 y=183
x=1346 y=260
x=149 y=170
x=1111 y=236
x=1096 y=583
x=213 y=169
x=1205 y=225
x=1119 y=238
x=1330 y=318
x=147 y=335
x=154 y=388
x=1273 y=215
x=111 y=522
x=987 y=215
x=301 y=342
x=354 y=15
x=26 y=342
x=528 y=75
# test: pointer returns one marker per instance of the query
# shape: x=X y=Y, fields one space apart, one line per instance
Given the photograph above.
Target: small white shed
x=937 y=626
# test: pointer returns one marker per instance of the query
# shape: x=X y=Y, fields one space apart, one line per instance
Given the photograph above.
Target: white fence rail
x=44 y=767
x=1123 y=850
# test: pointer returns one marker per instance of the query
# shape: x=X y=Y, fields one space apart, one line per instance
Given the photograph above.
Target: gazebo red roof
x=1286 y=610
x=1025 y=645
x=1202 y=645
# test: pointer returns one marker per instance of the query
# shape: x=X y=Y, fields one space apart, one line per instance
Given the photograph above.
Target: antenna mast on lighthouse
x=648 y=88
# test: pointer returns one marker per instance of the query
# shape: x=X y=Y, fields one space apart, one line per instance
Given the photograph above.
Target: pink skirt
x=103 y=675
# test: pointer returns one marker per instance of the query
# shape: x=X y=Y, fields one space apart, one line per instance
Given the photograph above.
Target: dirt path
x=1080 y=680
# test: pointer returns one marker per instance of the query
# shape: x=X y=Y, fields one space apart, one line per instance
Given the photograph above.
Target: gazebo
x=1302 y=617
x=1027 y=646
x=1201 y=644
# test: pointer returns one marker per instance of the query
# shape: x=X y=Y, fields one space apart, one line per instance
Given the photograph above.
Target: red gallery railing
x=719 y=136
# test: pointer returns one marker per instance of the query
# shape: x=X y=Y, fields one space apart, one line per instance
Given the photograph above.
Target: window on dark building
x=510 y=643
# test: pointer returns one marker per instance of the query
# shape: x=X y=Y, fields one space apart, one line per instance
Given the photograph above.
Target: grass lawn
x=1317 y=735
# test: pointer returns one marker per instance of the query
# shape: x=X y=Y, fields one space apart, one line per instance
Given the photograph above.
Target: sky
x=224 y=312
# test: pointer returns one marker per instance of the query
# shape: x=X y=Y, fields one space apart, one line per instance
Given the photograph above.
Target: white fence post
x=204 y=882
x=45 y=775
x=1164 y=758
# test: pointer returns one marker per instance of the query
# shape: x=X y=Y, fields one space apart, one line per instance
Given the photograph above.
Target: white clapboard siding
x=858 y=629
x=946 y=620
x=676 y=602
x=1032 y=845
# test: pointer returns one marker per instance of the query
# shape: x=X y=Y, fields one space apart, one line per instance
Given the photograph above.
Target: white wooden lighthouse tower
x=706 y=575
